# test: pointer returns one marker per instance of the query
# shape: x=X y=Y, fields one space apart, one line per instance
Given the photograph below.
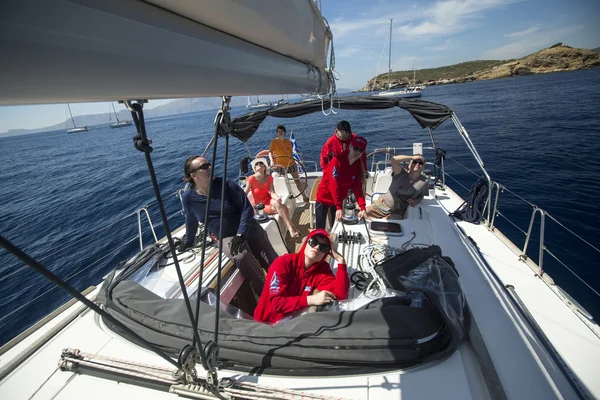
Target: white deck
x=523 y=366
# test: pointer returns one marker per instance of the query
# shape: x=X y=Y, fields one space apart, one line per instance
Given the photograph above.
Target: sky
x=426 y=33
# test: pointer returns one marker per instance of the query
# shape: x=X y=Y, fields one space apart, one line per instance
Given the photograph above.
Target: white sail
x=210 y=48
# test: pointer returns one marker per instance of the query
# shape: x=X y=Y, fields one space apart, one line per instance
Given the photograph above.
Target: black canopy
x=428 y=114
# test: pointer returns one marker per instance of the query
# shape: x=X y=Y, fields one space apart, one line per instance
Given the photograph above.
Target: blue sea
x=70 y=200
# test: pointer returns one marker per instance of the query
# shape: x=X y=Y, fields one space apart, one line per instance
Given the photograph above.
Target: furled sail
x=100 y=50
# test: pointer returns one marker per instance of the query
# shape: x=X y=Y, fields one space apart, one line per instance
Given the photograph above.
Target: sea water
x=69 y=200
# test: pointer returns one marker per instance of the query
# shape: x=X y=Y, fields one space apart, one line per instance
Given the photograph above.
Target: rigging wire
x=380 y=59
x=225 y=108
x=214 y=143
x=142 y=143
x=68 y=279
x=11 y=248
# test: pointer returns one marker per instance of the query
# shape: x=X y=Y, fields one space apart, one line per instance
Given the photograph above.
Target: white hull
x=502 y=357
x=400 y=93
x=77 y=130
x=259 y=107
x=120 y=124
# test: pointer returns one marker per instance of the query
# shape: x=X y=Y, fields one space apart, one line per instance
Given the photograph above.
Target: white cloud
x=533 y=42
x=441 y=47
x=448 y=17
x=348 y=51
x=526 y=32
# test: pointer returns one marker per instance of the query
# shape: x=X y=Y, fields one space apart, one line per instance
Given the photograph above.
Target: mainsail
x=160 y=49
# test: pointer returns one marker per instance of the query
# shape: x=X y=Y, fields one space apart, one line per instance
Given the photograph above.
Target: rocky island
x=556 y=58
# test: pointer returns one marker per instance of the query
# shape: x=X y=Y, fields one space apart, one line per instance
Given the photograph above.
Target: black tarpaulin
x=385 y=334
x=428 y=114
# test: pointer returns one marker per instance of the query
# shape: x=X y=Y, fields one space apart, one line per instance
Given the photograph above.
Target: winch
x=259 y=213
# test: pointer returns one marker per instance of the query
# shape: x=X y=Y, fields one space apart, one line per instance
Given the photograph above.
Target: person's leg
x=261 y=247
x=331 y=212
x=247 y=265
x=299 y=185
x=321 y=212
x=283 y=211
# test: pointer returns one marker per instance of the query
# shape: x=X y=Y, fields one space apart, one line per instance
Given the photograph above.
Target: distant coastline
x=556 y=58
x=175 y=107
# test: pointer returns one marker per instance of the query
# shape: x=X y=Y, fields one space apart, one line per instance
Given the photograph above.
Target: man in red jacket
x=293 y=279
x=343 y=173
x=339 y=144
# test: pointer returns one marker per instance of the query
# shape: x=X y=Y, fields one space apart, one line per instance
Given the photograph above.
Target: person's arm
x=397 y=162
x=324 y=159
x=357 y=188
x=271 y=159
x=191 y=222
x=339 y=283
x=240 y=199
x=279 y=277
x=248 y=187
x=420 y=193
x=336 y=191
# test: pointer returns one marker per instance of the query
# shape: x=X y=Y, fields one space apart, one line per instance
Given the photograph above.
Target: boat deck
x=502 y=358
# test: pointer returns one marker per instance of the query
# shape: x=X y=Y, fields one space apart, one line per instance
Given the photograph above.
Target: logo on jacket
x=274 y=285
x=307 y=288
x=334 y=173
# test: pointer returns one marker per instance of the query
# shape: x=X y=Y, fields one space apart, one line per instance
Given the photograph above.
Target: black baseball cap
x=344 y=126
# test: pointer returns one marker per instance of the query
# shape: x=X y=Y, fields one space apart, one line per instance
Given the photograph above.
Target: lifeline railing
x=137 y=213
x=494 y=211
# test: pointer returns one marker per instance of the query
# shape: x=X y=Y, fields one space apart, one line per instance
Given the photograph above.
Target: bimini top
x=428 y=114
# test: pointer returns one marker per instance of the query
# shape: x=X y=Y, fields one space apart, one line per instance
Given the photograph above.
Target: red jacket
x=288 y=284
x=334 y=147
x=339 y=177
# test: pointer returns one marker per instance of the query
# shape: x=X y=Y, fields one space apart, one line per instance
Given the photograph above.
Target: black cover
x=382 y=335
x=428 y=114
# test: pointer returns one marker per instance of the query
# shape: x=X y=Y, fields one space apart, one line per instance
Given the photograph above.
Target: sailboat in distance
x=407 y=92
x=75 y=129
x=258 y=105
x=117 y=124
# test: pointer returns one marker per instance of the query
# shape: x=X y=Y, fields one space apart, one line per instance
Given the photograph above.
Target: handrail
x=139 y=220
x=490 y=223
x=499 y=188
x=542 y=228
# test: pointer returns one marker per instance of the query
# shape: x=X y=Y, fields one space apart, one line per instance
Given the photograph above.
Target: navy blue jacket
x=238 y=213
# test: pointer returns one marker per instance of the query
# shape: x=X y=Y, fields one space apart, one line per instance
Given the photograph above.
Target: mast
x=71 y=114
x=390 y=57
x=113 y=106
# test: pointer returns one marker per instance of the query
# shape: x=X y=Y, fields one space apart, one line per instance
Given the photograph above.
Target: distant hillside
x=180 y=106
x=558 y=57
x=597 y=49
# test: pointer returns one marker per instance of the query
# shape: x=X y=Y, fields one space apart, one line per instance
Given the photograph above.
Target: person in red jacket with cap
x=339 y=144
x=303 y=279
x=343 y=173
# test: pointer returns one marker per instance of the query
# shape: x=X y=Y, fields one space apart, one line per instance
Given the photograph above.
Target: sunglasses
x=418 y=162
x=358 y=149
x=314 y=243
x=202 y=167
